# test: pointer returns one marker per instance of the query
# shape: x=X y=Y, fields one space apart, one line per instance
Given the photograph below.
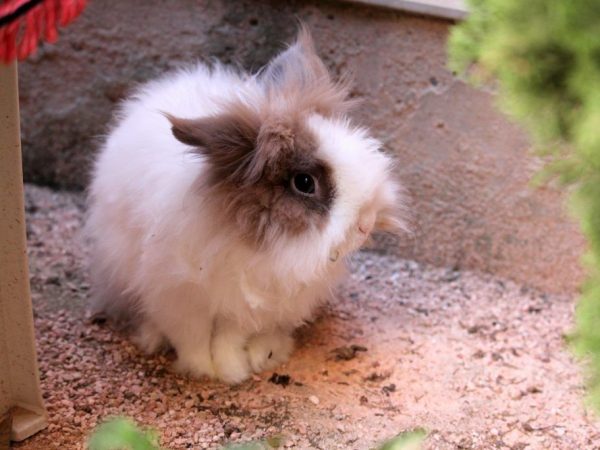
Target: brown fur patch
x=253 y=152
x=227 y=140
x=251 y=170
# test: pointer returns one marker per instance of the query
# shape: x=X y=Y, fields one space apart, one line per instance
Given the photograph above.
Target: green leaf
x=122 y=434
x=409 y=440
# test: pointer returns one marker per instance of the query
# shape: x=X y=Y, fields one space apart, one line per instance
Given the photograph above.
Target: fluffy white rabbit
x=223 y=204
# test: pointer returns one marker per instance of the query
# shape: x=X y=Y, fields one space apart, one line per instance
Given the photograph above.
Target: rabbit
x=224 y=204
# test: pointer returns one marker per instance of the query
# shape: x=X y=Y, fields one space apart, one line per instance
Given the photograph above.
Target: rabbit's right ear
x=297 y=67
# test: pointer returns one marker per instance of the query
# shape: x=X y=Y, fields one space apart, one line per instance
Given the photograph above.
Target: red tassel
x=65 y=12
x=28 y=42
x=51 y=34
x=2 y=45
x=9 y=6
x=20 y=38
x=11 y=42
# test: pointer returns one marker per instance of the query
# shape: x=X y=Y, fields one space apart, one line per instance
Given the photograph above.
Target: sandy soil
x=477 y=361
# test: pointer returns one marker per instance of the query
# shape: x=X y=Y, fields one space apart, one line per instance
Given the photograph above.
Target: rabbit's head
x=288 y=170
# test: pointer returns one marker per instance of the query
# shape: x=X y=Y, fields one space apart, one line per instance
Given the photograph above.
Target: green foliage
x=122 y=434
x=545 y=57
x=409 y=440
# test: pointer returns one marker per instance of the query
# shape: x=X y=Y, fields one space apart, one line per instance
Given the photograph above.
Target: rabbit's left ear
x=298 y=76
x=227 y=141
x=297 y=67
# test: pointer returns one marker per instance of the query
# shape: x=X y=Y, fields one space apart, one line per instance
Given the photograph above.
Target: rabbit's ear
x=298 y=79
x=297 y=67
x=227 y=140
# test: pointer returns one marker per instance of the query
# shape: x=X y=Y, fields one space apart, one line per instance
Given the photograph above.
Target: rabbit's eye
x=304 y=184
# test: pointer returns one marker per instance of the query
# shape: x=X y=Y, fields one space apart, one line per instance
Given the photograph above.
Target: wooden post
x=20 y=396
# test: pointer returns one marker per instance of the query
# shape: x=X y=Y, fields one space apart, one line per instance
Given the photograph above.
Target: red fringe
x=20 y=38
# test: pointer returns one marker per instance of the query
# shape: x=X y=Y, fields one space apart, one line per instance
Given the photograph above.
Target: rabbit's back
x=142 y=178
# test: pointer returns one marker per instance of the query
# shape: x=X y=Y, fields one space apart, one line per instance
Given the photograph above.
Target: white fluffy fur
x=227 y=309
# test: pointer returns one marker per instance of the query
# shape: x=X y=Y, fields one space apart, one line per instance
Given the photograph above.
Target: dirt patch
x=477 y=361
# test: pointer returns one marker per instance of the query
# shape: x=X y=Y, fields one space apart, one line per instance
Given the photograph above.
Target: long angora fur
x=223 y=204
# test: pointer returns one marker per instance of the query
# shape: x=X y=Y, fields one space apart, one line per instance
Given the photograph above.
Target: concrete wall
x=465 y=167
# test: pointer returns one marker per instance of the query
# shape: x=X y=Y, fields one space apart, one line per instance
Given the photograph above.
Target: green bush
x=544 y=56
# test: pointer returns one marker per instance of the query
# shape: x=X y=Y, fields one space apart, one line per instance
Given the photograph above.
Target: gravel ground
x=477 y=361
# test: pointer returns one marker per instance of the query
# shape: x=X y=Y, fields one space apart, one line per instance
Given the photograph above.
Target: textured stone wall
x=465 y=167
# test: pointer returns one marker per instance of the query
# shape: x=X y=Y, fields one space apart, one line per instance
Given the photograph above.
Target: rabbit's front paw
x=230 y=358
x=196 y=364
x=269 y=350
x=148 y=338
